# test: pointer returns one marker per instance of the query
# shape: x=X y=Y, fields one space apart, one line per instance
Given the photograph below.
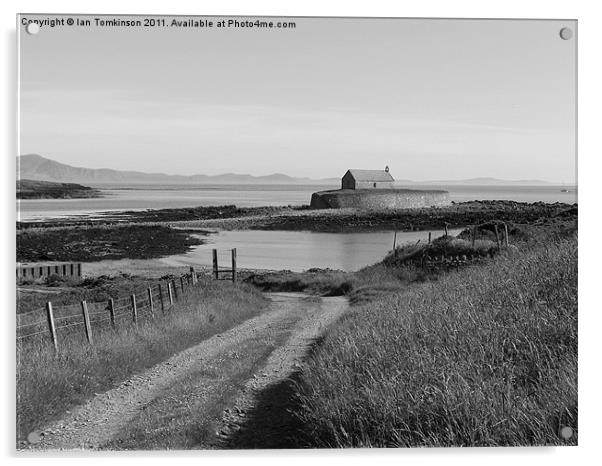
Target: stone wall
x=377 y=199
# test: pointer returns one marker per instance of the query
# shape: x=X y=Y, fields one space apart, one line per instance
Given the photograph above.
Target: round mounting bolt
x=32 y=28
x=566 y=33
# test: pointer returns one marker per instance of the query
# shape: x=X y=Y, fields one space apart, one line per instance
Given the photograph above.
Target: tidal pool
x=297 y=250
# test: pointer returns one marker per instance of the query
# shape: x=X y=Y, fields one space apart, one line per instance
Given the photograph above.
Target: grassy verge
x=324 y=282
x=485 y=356
x=47 y=385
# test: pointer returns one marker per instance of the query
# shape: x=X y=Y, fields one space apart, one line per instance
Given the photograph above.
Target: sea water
x=119 y=198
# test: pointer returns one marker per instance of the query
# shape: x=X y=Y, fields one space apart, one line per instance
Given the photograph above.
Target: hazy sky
x=433 y=99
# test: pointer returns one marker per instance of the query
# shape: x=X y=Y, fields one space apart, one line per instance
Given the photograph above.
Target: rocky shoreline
x=355 y=220
x=302 y=218
x=159 y=233
x=92 y=244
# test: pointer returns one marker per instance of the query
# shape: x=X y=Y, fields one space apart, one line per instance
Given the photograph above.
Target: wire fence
x=57 y=324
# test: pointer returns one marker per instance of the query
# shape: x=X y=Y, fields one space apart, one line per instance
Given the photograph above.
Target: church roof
x=370 y=175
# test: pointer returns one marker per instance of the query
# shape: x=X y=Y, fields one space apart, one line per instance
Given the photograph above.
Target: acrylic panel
x=295 y=232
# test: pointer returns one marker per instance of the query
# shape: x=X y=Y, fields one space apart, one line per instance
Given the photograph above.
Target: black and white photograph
x=295 y=232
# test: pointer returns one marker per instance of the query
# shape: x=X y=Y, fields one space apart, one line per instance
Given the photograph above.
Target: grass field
x=48 y=384
x=480 y=357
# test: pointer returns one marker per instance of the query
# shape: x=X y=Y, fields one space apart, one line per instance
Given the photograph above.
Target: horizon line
x=305 y=177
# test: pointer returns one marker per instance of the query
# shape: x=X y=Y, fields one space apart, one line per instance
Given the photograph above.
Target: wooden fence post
x=112 y=311
x=506 y=233
x=234 y=265
x=446 y=232
x=193 y=275
x=430 y=237
x=51 y=327
x=161 y=298
x=169 y=293
x=395 y=244
x=215 y=266
x=174 y=289
x=87 y=327
x=150 y=302
x=134 y=310
x=497 y=236
x=182 y=284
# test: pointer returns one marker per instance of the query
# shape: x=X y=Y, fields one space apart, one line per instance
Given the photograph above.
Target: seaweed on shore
x=91 y=244
x=302 y=218
x=162 y=215
x=455 y=215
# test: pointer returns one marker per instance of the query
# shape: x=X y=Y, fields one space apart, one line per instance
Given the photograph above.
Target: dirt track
x=173 y=405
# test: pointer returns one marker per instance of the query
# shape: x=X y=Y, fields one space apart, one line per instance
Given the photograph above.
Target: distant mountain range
x=36 y=167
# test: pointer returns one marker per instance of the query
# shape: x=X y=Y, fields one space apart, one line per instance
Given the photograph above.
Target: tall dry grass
x=49 y=383
x=484 y=356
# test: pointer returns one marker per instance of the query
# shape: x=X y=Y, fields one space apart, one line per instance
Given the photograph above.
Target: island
x=35 y=189
x=375 y=189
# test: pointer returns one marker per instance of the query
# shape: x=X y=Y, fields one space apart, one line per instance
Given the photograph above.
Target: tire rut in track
x=297 y=319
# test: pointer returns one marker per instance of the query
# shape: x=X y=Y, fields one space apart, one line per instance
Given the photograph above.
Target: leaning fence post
x=169 y=293
x=215 y=265
x=497 y=236
x=506 y=233
x=112 y=311
x=150 y=302
x=51 y=327
x=234 y=265
x=87 y=327
x=446 y=232
x=174 y=289
x=134 y=310
x=161 y=298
